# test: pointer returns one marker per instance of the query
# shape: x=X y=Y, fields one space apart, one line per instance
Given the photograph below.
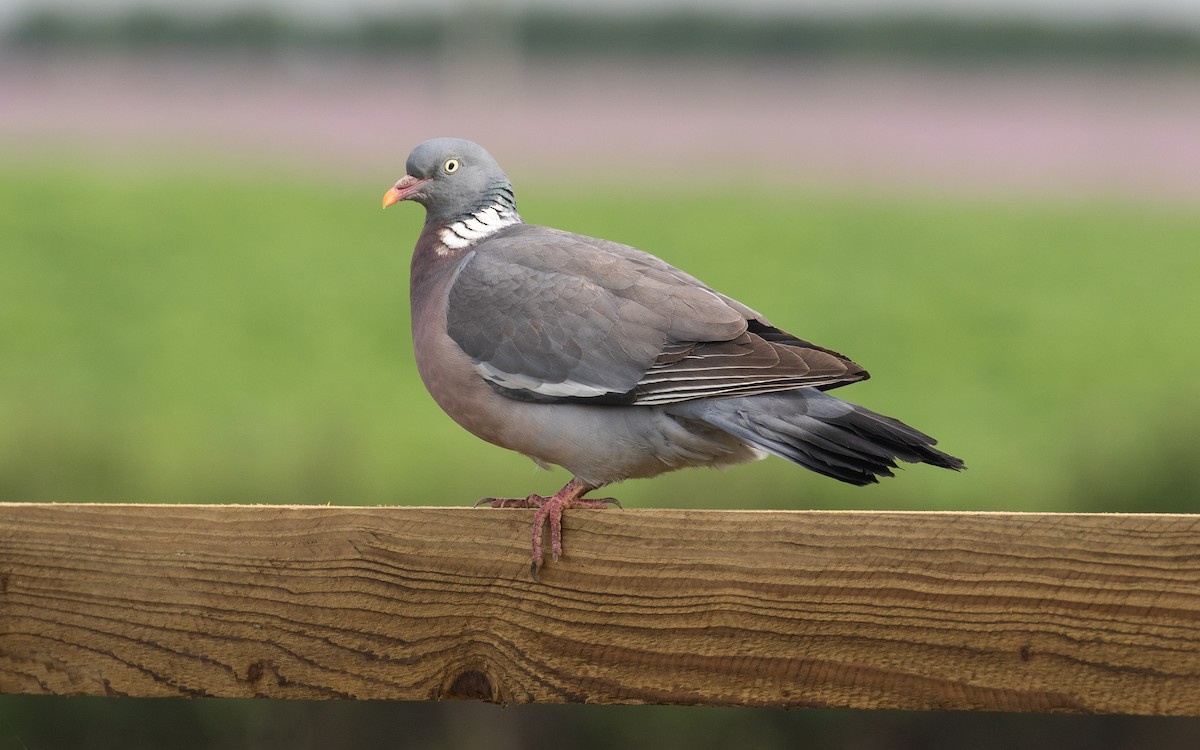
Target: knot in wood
x=472 y=684
x=261 y=670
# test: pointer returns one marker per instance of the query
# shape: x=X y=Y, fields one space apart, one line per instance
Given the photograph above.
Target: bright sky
x=1187 y=11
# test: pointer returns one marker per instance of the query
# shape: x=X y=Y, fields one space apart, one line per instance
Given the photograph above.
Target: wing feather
x=552 y=316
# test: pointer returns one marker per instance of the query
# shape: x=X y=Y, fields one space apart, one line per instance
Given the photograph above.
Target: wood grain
x=987 y=611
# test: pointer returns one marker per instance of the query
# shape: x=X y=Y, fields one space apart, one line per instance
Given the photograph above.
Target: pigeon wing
x=551 y=316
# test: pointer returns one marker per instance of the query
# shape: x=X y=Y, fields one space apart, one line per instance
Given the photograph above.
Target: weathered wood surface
x=993 y=611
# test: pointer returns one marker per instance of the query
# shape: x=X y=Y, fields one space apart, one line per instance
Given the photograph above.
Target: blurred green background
x=200 y=300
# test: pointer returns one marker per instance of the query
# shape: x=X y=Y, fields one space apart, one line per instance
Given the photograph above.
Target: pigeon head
x=454 y=179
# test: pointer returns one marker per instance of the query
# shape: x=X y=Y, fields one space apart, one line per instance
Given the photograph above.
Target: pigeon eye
x=451 y=166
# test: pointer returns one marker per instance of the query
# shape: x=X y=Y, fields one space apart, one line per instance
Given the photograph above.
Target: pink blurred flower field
x=1030 y=131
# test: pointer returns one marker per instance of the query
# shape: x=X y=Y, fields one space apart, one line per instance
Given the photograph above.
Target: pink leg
x=551 y=509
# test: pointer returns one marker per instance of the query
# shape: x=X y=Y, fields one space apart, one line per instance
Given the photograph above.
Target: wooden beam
x=987 y=611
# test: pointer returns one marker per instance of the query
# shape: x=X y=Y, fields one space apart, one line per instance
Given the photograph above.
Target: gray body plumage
x=598 y=443
x=606 y=360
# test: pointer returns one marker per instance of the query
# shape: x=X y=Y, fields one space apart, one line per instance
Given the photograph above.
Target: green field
x=174 y=334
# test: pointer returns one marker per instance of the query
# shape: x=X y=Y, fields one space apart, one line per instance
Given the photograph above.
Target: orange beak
x=403 y=190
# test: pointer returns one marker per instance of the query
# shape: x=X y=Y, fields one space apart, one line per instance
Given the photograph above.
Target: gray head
x=452 y=178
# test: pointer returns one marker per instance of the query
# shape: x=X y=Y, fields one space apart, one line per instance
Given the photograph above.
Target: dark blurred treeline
x=652 y=35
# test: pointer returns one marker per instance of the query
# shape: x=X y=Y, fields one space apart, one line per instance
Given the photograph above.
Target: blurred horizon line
x=660 y=34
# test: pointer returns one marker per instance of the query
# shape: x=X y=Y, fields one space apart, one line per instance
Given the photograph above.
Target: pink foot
x=533 y=501
x=551 y=509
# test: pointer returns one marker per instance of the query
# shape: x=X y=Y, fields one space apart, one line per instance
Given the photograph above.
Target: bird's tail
x=822 y=433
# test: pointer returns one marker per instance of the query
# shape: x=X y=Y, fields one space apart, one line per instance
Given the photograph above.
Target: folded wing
x=550 y=316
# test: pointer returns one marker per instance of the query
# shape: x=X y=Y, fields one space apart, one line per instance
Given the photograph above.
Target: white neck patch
x=483 y=223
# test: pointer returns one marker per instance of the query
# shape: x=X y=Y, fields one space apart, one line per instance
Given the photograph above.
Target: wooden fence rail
x=992 y=611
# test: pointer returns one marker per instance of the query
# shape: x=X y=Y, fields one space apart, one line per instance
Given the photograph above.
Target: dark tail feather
x=822 y=433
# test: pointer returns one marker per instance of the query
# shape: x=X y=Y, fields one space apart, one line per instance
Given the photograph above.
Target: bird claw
x=533 y=501
x=549 y=512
